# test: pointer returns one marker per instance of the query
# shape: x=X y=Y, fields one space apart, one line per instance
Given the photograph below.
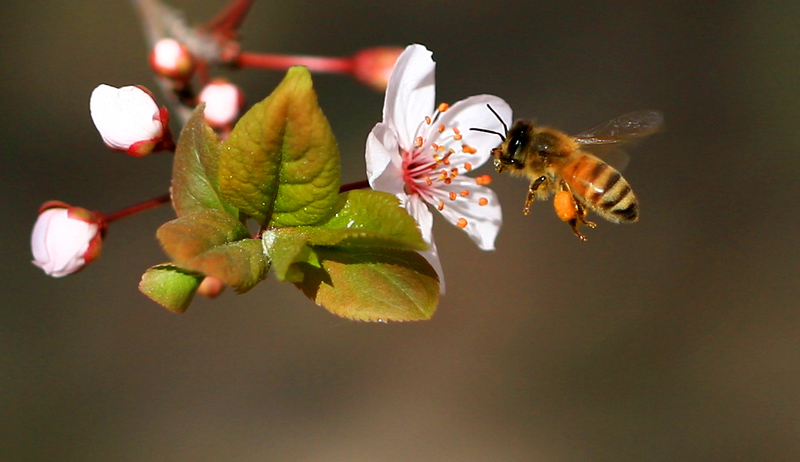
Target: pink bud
x=374 y=66
x=129 y=119
x=211 y=287
x=65 y=239
x=171 y=59
x=224 y=102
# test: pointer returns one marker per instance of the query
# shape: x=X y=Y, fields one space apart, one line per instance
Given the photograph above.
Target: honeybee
x=555 y=162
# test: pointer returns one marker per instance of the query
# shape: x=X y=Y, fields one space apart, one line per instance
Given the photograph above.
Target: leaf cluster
x=354 y=253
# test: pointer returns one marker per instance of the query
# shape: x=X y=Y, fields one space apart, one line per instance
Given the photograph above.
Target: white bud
x=127 y=118
x=224 y=102
x=62 y=244
x=171 y=59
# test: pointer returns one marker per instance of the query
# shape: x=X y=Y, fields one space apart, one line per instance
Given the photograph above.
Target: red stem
x=155 y=202
x=283 y=62
x=228 y=20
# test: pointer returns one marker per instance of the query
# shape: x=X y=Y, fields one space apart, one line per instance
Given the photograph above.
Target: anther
x=418 y=142
x=464 y=193
x=441 y=128
x=453 y=196
x=468 y=149
x=467 y=166
x=441 y=206
x=483 y=180
x=453 y=172
x=483 y=201
x=427 y=120
x=428 y=180
x=457 y=137
x=443 y=107
x=462 y=223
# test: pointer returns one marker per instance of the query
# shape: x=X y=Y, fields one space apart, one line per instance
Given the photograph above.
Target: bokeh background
x=676 y=338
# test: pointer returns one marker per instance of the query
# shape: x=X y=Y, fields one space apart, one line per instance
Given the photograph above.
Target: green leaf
x=280 y=164
x=372 y=285
x=194 y=172
x=241 y=264
x=186 y=237
x=170 y=286
x=214 y=243
x=285 y=247
x=368 y=218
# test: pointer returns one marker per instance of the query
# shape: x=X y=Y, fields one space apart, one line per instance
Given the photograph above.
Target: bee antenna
x=505 y=127
x=489 y=131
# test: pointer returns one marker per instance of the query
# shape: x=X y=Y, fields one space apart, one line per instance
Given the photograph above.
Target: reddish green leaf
x=372 y=285
x=280 y=164
x=214 y=243
x=194 y=172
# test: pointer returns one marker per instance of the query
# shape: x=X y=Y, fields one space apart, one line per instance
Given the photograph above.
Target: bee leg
x=571 y=210
x=581 y=212
x=532 y=190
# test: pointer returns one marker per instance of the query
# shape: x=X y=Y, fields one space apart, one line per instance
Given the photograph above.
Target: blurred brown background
x=672 y=339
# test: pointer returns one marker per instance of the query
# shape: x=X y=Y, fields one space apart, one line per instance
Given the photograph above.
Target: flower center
x=429 y=170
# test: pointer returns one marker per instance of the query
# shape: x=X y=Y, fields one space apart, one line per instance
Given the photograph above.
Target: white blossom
x=420 y=153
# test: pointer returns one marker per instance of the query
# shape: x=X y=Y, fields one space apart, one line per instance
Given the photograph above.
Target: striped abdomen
x=601 y=187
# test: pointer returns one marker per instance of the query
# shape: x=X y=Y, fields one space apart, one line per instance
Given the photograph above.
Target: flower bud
x=211 y=287
x=129 y=120
x=66 y=238
x=171 y=59
x=224 y=102
x=374 y=66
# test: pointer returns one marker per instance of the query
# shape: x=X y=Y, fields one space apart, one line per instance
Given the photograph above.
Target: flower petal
x=384 y=165
x=473 y=113
x=483 y=221
x=125 y=116
x=418 y=209
x=410 y=94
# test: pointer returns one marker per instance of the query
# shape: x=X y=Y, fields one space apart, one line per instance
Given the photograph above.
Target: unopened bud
x=224 y=102
x=171 y=59
x=65 y=239
x=374 y=66
x=129 y=120
x=211 y=287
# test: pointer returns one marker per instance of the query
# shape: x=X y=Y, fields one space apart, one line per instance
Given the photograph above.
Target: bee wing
x=629 y=126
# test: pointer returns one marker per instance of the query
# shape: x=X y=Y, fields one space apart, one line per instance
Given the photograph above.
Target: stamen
x=443 y=175
x=441 y=128
x=427 y=120
x=453 y=172
x=448 y=180
x=467 y=166
x=483 y=180
x=483 y=201
x=441 y=206
x=468 y=149
x=418 y=142
x=443 y=107
x=457 y=137
x=464 y=193
x=428 y=180
x=462 y=223
x=453 y=196
x=435 y=147
x=456 y=131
